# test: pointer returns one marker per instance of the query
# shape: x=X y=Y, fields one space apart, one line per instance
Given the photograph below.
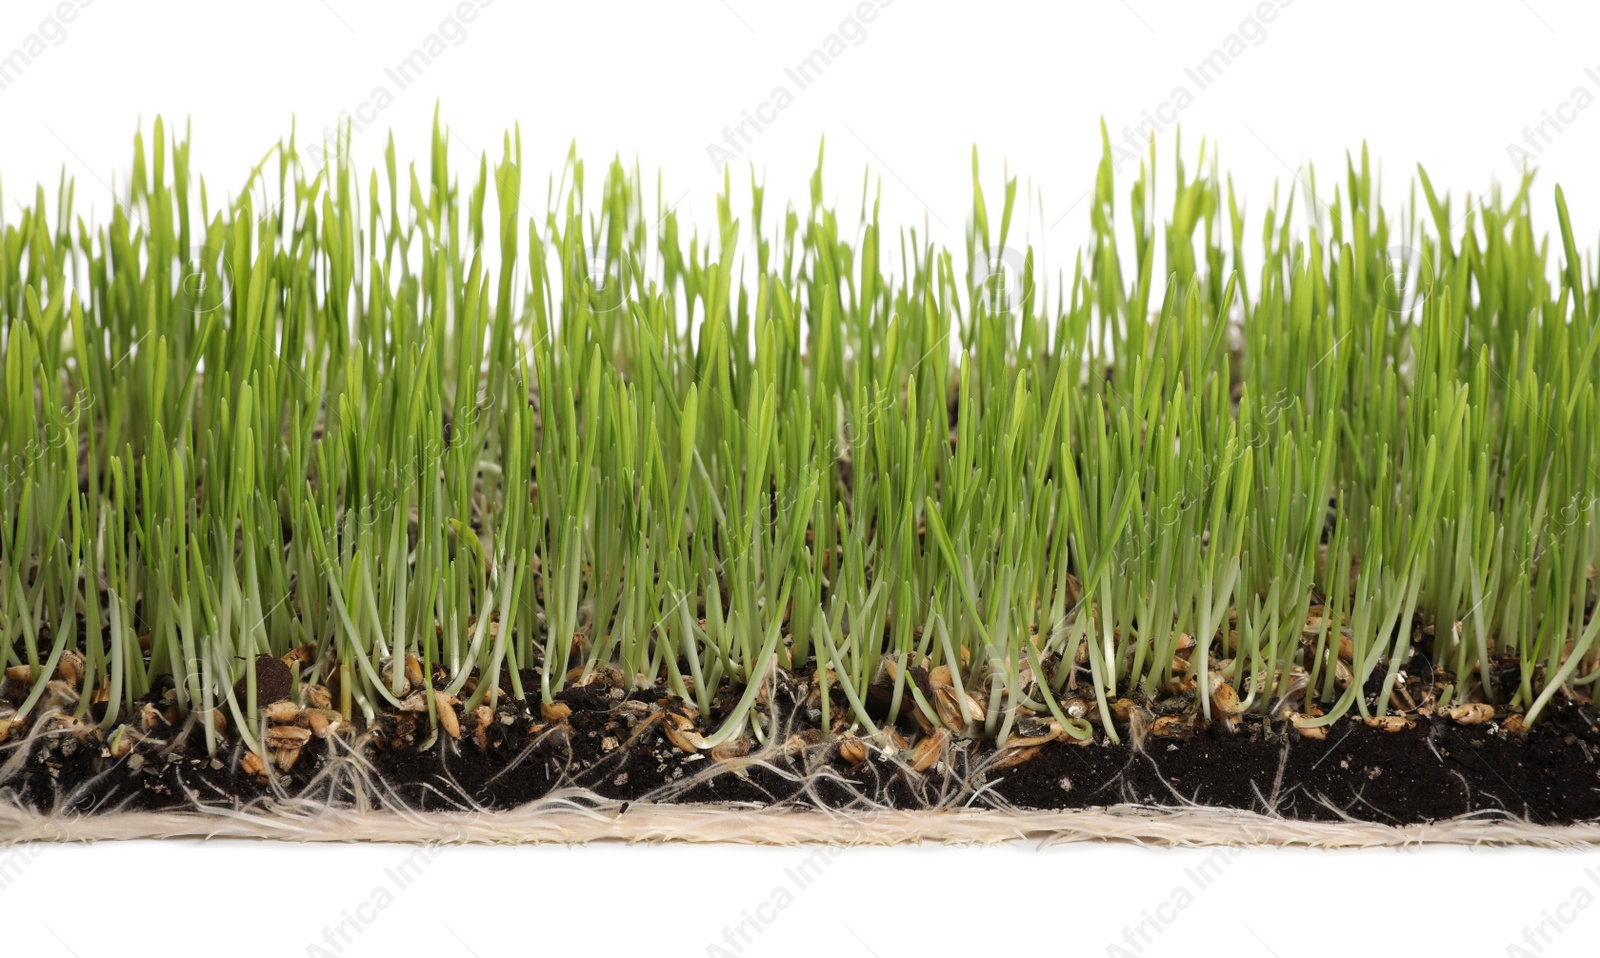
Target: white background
x=1450 y=86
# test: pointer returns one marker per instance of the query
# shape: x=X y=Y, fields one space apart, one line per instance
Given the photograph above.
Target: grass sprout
x=347 y=422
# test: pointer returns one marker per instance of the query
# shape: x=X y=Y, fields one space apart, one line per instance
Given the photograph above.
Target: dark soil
x=1436 y=770
x=274 y=680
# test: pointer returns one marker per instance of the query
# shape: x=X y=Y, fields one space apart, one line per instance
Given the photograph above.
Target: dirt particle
x=273 y=681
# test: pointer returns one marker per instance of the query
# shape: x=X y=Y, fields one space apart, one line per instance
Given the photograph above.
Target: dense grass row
x=319 y=414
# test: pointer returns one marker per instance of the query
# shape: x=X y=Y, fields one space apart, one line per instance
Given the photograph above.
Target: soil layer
x=1431 y=771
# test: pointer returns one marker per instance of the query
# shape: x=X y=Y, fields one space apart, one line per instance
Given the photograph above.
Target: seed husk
x=1389 y=723
x=283 y=713
x=1013 y=755
x=1173 y=727
x=928 y=750
x=318 y=697
x=446 y=706
x=71 y=668
x=948 y=704
x=733 y=748
x=323 y=722
x=287 y=736
x=680 y=732
x=1302 y=724
x=1471 y=713
x=482 y=717
x=1223 y=697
